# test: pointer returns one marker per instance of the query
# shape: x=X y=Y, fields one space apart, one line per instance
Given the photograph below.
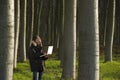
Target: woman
x=37 y=58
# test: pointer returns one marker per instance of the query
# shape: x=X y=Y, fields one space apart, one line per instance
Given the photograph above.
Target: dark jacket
x=36 y=62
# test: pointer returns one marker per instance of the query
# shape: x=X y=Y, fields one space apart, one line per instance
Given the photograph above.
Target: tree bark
x=44 y=18
x=37 y=13
x=88 y=65
x=61 y=31
x=22 y=35
x=7 y=39
x=110 y=30
x=30 y=22
x=17 y=24
x=69 y=68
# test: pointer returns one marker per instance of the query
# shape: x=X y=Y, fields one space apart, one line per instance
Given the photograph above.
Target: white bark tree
x=6 y=39
x=22 y=35
x=88 y=67
x=17 y=25
x=110 y=23
x=69 y=40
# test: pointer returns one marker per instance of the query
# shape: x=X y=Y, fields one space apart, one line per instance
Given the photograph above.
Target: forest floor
x=108 y=71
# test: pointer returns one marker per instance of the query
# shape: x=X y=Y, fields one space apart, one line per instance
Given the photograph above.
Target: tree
x=117 y=24
x=37 y=13
x=103 y=5
x=7 y=39
x=22 y=35
x=88 y=65
x=110 y=23
x=61 y=31
x=44 y=17
x=69 y=40
x=29 y=24
x=17 y=24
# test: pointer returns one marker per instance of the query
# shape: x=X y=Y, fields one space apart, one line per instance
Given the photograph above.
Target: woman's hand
x=45 y=53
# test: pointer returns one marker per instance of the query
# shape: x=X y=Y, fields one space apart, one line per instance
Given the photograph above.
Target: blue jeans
x=37 y=75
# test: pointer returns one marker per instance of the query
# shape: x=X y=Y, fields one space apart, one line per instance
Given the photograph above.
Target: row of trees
x=66 y=24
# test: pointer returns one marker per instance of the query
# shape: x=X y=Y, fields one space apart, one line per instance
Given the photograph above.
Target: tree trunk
x=69 y=40
x=17 y=24
x=88 y=65
x=22 y=35
x=117 y=22
x=61 y=30
x=110 y=31
x=30 y=22
x=117 y=25
x=52 y=21
x=103 y=4
x=37 y=13
x=7 y=39
x=44 y=20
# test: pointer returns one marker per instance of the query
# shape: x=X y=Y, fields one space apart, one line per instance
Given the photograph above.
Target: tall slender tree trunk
x=17 y=23
x=41 y=3
x=30 y=22
x=22 y=35
x=6 y=39
x=61 y=30
x=117 y=27
x=44 y=20
x=88 y=67
x=52 y=20
x=110 y=30
x=106 y=12
x=103 y=5
x=37 y=13
x=69 y=40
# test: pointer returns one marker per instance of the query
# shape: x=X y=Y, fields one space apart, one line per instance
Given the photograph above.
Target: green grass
x=52 y=71
x=22 y=72
x=108 y=71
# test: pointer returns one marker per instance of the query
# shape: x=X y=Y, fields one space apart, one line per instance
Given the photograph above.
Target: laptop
x=50 y=50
